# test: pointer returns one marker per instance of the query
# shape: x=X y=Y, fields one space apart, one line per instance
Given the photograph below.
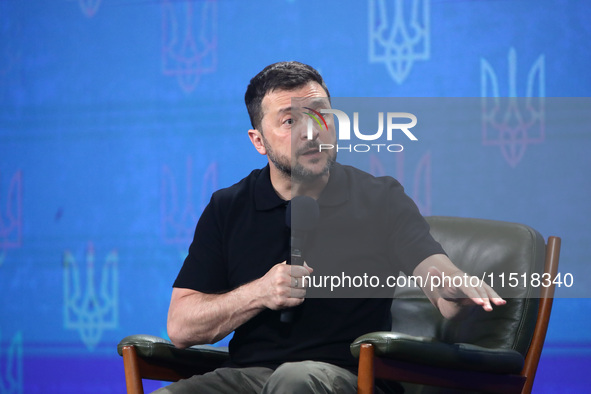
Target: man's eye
x=288 y=121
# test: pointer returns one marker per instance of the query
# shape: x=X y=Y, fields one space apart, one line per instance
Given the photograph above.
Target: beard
x=297 y=171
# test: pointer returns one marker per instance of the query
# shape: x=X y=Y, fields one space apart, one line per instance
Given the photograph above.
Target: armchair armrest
x=193 y=360
x=431 y=352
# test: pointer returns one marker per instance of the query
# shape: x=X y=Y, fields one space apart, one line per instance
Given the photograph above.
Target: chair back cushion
x=508 y=254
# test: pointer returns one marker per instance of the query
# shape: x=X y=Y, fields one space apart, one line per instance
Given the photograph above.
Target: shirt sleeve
x=204 y=268
x=410 y=241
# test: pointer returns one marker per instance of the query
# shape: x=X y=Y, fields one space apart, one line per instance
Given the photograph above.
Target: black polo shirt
x=365 y=223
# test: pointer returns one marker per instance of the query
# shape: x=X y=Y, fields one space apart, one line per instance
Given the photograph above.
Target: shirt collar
x=335 y=192
x=265 y=196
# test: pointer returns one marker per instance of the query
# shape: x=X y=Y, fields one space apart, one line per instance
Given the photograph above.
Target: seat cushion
x=429 y=351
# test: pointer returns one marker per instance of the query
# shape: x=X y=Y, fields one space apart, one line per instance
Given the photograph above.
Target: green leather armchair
x=496 y=352
x=487 y=352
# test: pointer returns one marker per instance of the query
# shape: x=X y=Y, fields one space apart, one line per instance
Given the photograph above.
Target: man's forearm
x=197 y=318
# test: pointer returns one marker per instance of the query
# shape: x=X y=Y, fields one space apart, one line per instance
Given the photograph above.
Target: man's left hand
x=458 y=292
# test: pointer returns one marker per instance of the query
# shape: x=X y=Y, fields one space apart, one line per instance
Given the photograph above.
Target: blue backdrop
x=118 y=118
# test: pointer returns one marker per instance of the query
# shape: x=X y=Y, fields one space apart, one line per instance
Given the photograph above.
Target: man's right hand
x=283 y=286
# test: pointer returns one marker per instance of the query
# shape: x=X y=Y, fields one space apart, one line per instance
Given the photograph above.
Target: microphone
x=301 y=217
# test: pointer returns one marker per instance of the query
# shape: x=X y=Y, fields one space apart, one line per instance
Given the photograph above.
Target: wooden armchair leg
x=133 y=378
x=365 y=376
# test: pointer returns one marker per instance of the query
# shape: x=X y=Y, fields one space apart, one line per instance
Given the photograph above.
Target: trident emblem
x=396 y=38
x=89 y=7
x=178 y=224
x=189 y=47
x=421 y=181
x=511 y=123
x=11 y=378
x=10 y=54
x=86 y=310
x=11 y=220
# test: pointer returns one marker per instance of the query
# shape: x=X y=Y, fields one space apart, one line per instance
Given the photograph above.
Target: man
x=236 y=277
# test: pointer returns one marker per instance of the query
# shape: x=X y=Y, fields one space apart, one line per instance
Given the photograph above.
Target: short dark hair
x=283 y=76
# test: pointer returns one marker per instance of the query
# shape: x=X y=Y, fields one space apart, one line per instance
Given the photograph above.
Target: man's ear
x=257 y=140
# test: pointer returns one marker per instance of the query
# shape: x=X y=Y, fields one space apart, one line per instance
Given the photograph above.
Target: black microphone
x=301 y=217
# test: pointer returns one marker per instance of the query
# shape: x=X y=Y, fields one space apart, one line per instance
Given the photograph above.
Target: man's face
x=285 y=137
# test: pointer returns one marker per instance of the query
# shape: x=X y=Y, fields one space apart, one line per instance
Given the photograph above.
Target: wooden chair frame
x=170 y=365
